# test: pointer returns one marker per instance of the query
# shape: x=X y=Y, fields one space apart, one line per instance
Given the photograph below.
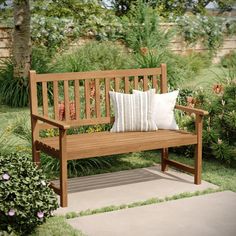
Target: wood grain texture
x=106 y=143
x=45 y=98
x=55 y=100
x=198 y=149
x=87 y=98
x=98 y=144
x=97 y=74
x=77 y=98
x=97 y=98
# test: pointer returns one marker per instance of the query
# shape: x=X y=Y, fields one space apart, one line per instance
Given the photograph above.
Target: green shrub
x=25 y=197
x=229 y=60
x=196 y=61
x=141 y=28
x=13 y=91
x=205 y=29
x=219 y=133
x=40 y=59
x=93 y=56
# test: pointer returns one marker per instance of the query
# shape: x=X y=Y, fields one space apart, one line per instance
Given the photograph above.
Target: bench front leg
x=164 y=157
x=198 y=149
x=63 y=168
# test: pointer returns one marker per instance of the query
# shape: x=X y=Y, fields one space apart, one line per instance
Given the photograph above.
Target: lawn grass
x=56 y=226
x=206 y=78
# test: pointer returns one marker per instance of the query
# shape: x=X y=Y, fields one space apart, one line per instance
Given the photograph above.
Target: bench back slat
x=154 y=83
x=77 y=99
x=66 y=100
x=107 y=98
x=127 y=85
x=97 y=98
x=86 y=94
x=145 y=83
x=45 y=98
x=136 y=82
x=87 y=98
x=55 y=100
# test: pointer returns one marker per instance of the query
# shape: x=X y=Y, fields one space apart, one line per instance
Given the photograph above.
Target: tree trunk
x=21 y=38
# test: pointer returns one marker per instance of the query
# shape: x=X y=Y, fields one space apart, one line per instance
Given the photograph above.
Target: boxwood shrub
x=26 y=200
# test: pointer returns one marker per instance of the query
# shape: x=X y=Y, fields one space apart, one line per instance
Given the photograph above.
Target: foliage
x=56 y=226
x=13 y=91
x=53 y=32
x=40 y=59
x=230 y=26
x=176 y=7
x=92 y=20
x=207 y=30
x=219 y=136
x=141 y=27
x=26 y=199
x=93 y=56
x=179 y=68
x=229 y=60
x=196 y=61
x=7 y=142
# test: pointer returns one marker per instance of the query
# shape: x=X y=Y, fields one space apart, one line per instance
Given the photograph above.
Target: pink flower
x=40 y=214
x=11 y=212
x=6 y=176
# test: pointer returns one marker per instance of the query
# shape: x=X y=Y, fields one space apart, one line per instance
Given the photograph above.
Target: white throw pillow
x=133 y=112
x=163 y=109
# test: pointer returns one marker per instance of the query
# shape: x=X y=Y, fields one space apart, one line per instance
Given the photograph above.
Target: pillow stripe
x=132 y=111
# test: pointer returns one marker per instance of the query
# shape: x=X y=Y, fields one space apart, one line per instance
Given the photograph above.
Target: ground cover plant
x=26 y=199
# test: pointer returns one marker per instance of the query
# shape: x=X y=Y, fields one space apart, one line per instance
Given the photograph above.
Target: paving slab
x=125 y=187
x=206 y=215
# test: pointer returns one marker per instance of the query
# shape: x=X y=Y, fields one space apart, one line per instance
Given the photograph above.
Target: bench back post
x=163 y=80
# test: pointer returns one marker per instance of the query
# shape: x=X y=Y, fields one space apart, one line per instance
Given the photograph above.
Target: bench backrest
x=87 y=93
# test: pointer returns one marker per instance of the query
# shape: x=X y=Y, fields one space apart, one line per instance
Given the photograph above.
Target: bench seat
x=105 y=143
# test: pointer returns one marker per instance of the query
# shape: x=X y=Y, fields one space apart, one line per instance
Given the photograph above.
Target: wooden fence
x=177 y=45
x=5 y=42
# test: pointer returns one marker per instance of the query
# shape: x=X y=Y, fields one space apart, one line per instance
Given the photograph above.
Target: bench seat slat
x=106 y=143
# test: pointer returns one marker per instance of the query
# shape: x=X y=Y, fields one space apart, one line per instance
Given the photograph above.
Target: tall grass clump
x=93 y=56
x=142 y=28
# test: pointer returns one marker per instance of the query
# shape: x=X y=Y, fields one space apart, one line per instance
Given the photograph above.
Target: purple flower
x=6 y=176
x=11 y=212
x=40 y=214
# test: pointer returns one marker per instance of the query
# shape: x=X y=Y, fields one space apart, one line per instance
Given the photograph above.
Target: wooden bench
x=89 y=92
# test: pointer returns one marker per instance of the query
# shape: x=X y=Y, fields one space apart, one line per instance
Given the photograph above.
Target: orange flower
x=191 y=102
x=143 y=50
x=218 y=88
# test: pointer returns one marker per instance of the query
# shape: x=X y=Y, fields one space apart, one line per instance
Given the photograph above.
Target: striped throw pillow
x=163 y=109
x=133 y=112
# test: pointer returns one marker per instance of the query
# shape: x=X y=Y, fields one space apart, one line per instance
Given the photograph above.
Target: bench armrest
x=58 y=124
x=192 y=110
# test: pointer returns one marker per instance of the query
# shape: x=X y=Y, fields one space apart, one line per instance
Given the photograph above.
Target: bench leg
x=63 y=183
x=198 y=164
x=63 y=168
x=164 y=157
x=36 y=156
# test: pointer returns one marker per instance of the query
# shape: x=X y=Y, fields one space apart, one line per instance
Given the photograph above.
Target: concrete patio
x=206 y=215
x=125 y=187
